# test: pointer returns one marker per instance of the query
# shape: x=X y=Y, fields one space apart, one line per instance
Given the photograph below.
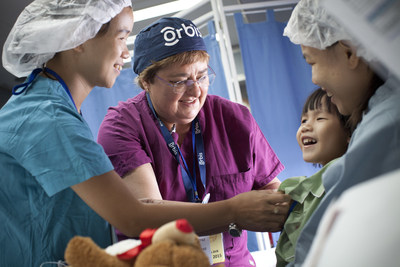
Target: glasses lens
x=203 y=82
x=180 y=87
x=211 y=78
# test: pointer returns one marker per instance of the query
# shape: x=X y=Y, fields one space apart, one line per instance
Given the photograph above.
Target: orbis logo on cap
x=172 y=35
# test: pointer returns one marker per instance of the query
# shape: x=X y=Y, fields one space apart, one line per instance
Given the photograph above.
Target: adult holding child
x=323 y=136
x=343 y=68
x=57 y=182
x=174 y=142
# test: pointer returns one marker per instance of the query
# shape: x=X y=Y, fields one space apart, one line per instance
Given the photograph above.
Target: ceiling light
x=164 y=9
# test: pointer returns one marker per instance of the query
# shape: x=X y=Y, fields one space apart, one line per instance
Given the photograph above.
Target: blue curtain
x=95 y=106
x=278 y=82
x=219 y=87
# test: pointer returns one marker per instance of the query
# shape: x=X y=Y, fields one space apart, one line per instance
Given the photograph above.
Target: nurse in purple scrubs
x=175 y=143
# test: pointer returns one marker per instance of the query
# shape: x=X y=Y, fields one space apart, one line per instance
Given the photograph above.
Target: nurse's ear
x=79 y=48
x=351 y=54
x=146 y=86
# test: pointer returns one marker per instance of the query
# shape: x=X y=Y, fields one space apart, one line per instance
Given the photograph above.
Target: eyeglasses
x=181 y=86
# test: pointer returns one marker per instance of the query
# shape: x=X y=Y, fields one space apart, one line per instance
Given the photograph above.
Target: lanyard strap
x=189 y=181
x=33 y=76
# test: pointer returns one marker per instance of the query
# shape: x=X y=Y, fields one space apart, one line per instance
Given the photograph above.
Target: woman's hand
x=260 y=210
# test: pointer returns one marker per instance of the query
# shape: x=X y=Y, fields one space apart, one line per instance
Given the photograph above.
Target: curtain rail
x=260 y=5
x=234 y=8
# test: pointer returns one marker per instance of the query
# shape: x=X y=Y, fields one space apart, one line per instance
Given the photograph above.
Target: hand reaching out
x=261 y=210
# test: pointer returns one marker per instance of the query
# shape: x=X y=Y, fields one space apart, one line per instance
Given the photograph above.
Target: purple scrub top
x=238 y=156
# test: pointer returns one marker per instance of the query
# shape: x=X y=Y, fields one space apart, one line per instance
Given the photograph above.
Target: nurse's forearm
x=108 y=196
x=207 y=219
x=255 y=210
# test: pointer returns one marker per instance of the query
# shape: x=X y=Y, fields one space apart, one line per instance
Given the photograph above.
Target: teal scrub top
x=45 y=147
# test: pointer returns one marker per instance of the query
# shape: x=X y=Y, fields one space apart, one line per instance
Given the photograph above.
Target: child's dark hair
x=314 y=101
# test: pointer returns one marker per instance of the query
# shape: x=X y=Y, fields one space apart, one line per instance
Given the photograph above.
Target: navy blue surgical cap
x=164 y=38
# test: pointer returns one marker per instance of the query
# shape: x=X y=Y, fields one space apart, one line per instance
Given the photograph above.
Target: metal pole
x=226 y=51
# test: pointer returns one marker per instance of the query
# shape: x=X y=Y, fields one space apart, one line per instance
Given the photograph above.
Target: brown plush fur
x=167 y=253
x=83 y=252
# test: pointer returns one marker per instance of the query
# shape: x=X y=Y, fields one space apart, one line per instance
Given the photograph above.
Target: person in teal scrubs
x=57 y=182
x=46 y=147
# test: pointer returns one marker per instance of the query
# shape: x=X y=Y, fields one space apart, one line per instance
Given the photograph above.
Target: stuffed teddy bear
x=174 y=244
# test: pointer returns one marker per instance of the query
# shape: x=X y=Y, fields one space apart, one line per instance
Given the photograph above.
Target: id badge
x=213 y=246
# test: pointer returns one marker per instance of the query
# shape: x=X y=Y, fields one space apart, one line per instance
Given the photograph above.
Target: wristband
x=234 y=230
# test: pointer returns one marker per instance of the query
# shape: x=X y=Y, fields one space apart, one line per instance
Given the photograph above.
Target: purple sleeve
x=267 y=166
x=120 y=135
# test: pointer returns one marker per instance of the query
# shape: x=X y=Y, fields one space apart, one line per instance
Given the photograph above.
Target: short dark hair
x=314 y=101
x=103 y=30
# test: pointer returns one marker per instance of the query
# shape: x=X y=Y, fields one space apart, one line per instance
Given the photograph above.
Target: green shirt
x=308 y=192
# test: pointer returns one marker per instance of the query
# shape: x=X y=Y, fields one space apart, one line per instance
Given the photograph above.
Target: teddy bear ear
x=184 y=226
x=179 y=231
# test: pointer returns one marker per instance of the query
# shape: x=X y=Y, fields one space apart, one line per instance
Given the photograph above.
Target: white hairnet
x=310 y=25
x=46 y=27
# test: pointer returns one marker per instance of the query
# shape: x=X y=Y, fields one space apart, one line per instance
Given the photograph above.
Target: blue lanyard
x=292 y=206
x=189 y=181
x=33 y=76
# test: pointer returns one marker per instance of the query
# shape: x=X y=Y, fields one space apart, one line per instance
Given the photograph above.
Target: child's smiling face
x=321 y=136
